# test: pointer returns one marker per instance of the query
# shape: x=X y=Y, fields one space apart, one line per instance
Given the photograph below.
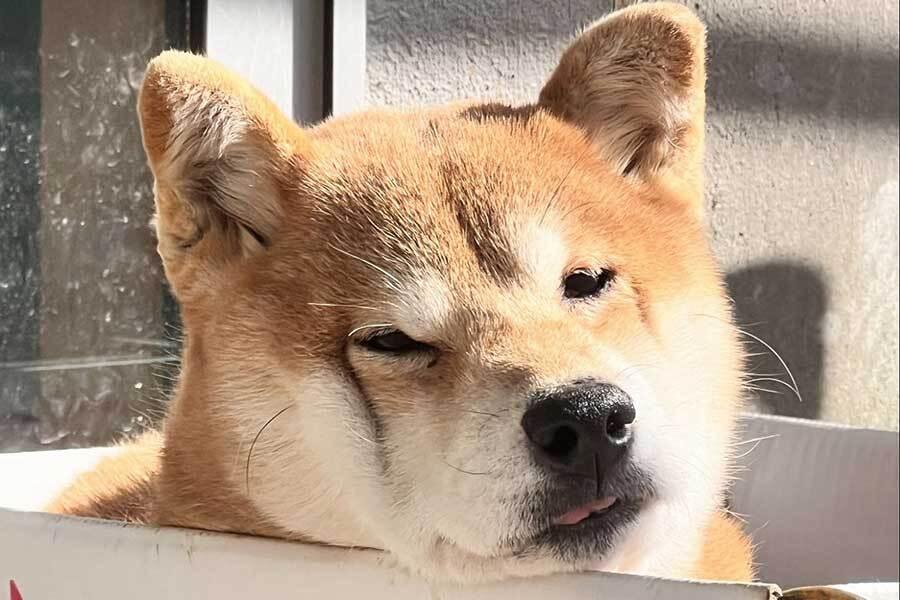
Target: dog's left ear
x=634 y=82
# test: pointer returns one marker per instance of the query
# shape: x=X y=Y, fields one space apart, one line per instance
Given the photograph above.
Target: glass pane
x=87 y=330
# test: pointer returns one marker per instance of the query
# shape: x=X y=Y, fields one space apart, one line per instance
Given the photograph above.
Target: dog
x=489 y=340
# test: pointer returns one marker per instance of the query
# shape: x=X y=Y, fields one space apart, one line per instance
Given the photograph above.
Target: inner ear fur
x=219 y=151
x=634 y=82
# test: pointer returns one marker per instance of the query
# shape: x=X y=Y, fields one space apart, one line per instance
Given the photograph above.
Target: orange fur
x=727 y=552
x=120 y=487
x=285 y=246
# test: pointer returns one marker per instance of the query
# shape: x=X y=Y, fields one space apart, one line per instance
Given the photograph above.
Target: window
x=89 y=335
x=88 y=332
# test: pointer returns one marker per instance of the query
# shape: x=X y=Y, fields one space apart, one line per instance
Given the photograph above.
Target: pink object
x=14 y=593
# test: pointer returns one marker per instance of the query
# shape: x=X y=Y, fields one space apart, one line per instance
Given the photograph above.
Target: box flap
x=821 y=500
x=50 y=556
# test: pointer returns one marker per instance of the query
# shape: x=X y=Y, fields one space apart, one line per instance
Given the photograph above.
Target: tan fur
x=120 y=487
x=726 y=554
x=643 y=108
x=286 y=246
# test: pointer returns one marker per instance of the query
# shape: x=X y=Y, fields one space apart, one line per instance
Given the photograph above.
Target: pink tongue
x=581 y=513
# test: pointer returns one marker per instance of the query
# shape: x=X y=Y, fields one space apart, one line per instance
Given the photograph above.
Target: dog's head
x=490 y=340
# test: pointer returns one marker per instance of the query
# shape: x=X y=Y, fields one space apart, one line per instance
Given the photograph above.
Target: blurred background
x=802 y=165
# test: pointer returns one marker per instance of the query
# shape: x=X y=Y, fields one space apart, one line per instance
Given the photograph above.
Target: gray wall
x=802 y=160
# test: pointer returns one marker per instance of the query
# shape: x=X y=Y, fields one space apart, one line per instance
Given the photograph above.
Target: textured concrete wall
x=802 y=160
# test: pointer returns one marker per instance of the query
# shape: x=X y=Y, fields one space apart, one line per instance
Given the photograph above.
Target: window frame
x=313 y=61
x=309 y=57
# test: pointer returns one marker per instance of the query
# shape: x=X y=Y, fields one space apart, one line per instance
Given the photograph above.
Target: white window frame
x=308 y=56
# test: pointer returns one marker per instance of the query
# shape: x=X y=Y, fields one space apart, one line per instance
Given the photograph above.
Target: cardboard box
x=821 y=499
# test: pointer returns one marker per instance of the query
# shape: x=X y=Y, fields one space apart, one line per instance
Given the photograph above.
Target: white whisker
x=781 y=360
x=757 y=388
x=370 y=326
x=331 y=305
x=397 y=284
x=759 y=439
x=747 y=453
x=793 y=387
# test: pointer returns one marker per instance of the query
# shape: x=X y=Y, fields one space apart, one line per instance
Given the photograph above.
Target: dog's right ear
x=221 y=154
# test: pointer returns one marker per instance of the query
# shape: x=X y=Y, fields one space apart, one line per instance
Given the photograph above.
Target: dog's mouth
x=592 y=510
x=582 y=522
x=589 y=531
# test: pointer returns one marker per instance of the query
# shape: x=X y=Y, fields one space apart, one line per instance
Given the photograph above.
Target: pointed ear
x=220 y=153
x=634 y=82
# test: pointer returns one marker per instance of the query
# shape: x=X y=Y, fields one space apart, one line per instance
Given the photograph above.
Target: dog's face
x=492 y=341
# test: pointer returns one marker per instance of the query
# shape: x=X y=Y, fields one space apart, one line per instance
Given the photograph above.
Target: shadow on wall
x=783 y=75
x=783 y=304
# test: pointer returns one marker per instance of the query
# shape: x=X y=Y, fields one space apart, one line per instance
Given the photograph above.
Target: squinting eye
x=394 y=342
x=585 y=283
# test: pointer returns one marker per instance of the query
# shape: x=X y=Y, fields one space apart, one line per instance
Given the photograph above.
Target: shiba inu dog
x=490 y=340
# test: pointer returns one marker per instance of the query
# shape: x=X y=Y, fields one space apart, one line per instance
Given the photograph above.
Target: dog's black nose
x=580 y=429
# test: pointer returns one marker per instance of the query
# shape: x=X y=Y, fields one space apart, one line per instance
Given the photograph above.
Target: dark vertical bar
x=186 y=25
x=185 y=30
x=196 y=41
x=328 y=59
x=20 y=216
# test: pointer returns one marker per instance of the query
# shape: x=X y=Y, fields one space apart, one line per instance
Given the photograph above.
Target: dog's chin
x=571 y=526
x=555 y=549
x=449 y=562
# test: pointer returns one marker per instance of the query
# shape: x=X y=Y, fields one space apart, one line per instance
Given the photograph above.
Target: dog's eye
x=585 y=283
x=394 y=342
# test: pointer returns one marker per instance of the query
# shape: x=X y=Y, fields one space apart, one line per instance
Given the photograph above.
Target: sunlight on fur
x=490 y=340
